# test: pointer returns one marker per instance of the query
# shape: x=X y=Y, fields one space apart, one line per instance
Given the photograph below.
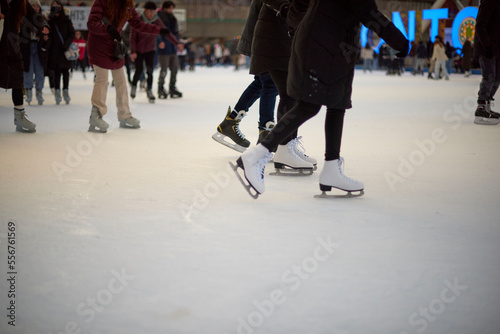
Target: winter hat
x=36 y=2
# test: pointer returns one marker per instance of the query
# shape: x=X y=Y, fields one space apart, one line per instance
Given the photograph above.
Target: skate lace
x=299 y=147
x=262 y=162
x=341 y=169
x=238 y=132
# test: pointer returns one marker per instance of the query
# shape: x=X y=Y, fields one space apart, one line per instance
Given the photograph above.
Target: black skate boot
x=151 y=97
x=485 y=116
x=162 y=93
x=174 y=93
x=229 y=128
x=264 y=132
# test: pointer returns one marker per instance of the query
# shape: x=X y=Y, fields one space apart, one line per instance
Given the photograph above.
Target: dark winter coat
x=487 y=28
x=245 y=44
x=467 y=56
x=271 y=43
x=100 y=44
x=421 y=51
x=57 y=47
x=11 y=63
x=171 y=23
x=326 y=45
x=42 y=46
x=142 y=42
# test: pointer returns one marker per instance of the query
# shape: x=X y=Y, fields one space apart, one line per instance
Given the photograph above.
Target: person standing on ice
x=167 y=53
x=61 y=36
x=324 y=53
x=106 y=20
x=143 y=50
x=487 y=49
x=270 y=49
x=439 y=57
x=12 y=14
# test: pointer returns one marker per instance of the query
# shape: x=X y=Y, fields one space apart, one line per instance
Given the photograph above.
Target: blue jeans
x=35 y=69
x=264 y=88
x=367 y=65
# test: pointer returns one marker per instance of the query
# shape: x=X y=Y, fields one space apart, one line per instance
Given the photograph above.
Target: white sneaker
x=332 y=175
x=287 y=156
x=253 y=162
x=299 y=149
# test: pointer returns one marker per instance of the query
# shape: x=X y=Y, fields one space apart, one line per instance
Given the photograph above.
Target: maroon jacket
x=100 y=45
x=141 y=42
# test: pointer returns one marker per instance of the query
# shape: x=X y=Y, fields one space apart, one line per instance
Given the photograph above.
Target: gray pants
x=172 y=63
x=490 y=68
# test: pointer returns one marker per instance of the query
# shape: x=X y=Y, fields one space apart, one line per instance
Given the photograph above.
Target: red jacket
x=100 y=45
x=143 y=42
x=81 y=47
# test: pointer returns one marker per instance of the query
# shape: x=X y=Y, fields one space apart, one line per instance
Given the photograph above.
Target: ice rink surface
x=149 y=231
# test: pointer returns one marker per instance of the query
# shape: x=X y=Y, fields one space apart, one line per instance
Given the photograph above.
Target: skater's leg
x=121 y=93
x=162 y=60
x=65 y=78
x=39 y=73
x=286 y=102
x=334 y=123
x=100 y=90
x=149 y=57
x=17 y=98
x=487 y=84
x=496 y=82
x=268 y=95
x=173 y=65
x=289 y=123
x=249 y=95
x=139 y=68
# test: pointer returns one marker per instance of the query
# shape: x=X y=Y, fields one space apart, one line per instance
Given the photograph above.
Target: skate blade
x=25 y=130
x=248 y=187
x=93 y=128
x=349 y=194
x=219 y=137
x=486 y=121
x=292 y=172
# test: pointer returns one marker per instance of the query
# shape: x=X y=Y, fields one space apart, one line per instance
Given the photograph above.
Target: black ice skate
x=174 y=93
x=264 y=132
x=228 y=132
x=162 y=93
x=485 y=116
x=133 y=91
x=151 y=97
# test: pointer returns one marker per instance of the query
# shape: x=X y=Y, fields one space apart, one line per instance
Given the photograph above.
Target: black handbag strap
x=59 y=33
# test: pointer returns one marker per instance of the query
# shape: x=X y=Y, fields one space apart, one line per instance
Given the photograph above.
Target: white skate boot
x=301 y=152
x=22 y=123
x=287 y=157
x=332 y=176
x=253 y=163
x=96 y=121
x=130 y=123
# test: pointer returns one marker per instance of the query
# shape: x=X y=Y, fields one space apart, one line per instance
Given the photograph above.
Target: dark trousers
x=17 y=96
x=303 y=111
x=264 y=88
x=148 y=58
x=490 y=68
x=286 y=102
x=58 y=72
x=168 y=62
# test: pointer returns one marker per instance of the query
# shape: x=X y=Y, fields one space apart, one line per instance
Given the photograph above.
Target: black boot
x=162 y=93
x=174 y=93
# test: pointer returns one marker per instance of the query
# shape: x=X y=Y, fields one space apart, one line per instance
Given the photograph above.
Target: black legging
x=303 y=111
x=147 y=57
x=286 y=102
x=57 y=78
x=17 y=96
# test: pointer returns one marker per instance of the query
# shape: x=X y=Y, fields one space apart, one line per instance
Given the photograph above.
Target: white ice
x=160 y=208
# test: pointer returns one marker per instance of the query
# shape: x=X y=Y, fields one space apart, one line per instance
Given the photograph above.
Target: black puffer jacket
x=326 y=46
x=11 y=63
x=271 y=44
x=487 y=28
